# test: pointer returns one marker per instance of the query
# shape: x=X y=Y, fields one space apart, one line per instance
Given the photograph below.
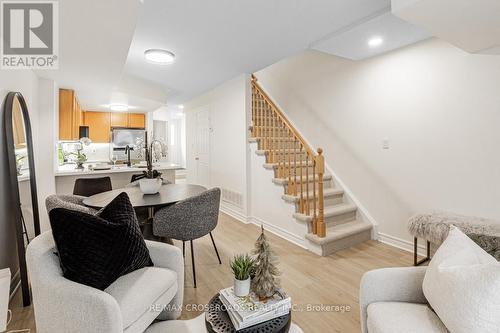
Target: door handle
x=196 y=158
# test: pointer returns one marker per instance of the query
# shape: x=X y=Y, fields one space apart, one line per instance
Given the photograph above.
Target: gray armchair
x=392 y=301
x=190 y=219
x=128 y=305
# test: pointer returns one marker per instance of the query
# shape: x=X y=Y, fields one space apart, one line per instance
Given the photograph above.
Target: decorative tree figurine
x=265 y=282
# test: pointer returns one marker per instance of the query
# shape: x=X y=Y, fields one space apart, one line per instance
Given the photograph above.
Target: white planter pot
x=150 y=186
x=242 y=287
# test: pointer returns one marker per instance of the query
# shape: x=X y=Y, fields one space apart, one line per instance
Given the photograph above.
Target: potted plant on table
x=151 y=181
x=242 y=266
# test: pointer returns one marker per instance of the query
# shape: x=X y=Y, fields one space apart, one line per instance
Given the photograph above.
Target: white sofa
x=392 y=301
x=129 y=305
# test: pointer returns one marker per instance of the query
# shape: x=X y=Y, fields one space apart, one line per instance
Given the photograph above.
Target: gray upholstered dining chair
x=190 y=219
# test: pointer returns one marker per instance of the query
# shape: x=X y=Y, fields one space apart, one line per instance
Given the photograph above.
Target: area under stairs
x=283 y=150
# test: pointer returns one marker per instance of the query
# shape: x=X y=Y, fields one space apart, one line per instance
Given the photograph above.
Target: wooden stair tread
x=329 y=211
x=337 y=232
x=327 y=192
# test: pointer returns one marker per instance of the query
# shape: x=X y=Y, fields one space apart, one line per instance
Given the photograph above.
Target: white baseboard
x=280 y=232
x=402 y=243
x=227 y=208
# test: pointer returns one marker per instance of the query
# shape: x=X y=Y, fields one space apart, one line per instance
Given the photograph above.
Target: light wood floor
x=308 y=278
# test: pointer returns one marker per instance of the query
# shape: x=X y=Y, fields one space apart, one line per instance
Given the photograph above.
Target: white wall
x=176 y=118
x=438 y=106
x=228 y=137
x=45 y=145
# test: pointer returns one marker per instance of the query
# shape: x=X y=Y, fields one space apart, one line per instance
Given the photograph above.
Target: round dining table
x=168 y=194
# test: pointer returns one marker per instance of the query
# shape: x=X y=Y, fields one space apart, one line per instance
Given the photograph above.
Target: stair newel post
x=289 y=164
x=295 y=177
x=260 y=121
x=315 y=198
x=301 y=170
x=283 y=152
x=308 y=210
x=321 y=172
x=264 y=125
x=275 y=134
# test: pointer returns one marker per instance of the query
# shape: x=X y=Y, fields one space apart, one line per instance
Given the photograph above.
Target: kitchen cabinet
x=136 y=120
x=99 y=124
x=119 y=119
x=70 y=115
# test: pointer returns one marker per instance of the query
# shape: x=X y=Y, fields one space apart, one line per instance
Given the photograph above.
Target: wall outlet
x=4 y=297
x=385 y=143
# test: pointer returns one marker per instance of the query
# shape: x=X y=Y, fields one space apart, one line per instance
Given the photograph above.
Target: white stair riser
x=340 y=219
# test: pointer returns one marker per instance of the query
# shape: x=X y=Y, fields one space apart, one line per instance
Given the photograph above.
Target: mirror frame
x=14 y=184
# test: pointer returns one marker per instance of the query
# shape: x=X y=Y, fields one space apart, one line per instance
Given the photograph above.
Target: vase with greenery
x=242 y=266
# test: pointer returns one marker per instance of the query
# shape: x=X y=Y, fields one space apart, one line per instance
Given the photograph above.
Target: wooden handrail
x=281 y=140
x=280 y=114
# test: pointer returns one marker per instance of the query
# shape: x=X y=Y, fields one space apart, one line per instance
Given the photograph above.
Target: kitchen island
x=120 y=175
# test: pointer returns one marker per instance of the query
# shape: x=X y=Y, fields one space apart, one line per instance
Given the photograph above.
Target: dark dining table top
x=167 y=195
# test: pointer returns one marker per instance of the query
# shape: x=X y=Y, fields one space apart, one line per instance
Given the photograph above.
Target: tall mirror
x=20 y=162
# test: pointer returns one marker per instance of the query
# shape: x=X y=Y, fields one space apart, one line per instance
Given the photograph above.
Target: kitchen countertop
x=70 y=169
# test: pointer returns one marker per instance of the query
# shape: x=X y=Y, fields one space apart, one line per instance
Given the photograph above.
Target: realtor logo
x=29 y=35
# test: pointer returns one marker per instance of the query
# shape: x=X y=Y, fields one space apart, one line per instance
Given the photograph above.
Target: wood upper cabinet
x=137 y=120
x=119 y=119
x=67 y=118
x=99 y=124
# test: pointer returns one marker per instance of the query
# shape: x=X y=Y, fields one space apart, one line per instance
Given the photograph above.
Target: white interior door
x=202 y=146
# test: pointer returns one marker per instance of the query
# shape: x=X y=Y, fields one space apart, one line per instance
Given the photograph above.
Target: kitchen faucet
x=127 y=151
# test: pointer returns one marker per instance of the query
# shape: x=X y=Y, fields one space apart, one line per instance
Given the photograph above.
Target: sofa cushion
x=136 y=292
x=462 y=284
x=95 y=250
x=398 y=317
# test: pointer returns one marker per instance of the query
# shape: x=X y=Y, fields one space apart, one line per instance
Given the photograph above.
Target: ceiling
x=102 y=43
x=352 y=42
x=473 y=26
x=93 y=46
x=217 y=40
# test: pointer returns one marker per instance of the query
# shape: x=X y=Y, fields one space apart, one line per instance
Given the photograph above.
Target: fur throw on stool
x=434 y=227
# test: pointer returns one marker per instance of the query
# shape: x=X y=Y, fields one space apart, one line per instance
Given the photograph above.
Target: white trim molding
x=280 y=232
x=235 y=213
x=402 y=244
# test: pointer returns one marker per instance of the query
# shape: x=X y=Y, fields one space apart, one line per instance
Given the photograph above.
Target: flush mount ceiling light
x=158 y=56
x=118 y=107
x=375 y=41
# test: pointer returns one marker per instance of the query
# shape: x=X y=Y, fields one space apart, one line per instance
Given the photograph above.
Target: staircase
x=333 y=221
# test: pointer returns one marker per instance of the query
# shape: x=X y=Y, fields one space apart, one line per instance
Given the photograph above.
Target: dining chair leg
x=215 y=247
x=192 y=261
x=184 y=249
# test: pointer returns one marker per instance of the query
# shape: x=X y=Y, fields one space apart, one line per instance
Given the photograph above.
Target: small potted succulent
x=242 y=266
x=151 y=181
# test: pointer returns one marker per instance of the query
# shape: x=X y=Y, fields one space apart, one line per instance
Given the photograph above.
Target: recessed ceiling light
x=158 y=56
x=181 y=107
x=118 y=107
x=375 y=41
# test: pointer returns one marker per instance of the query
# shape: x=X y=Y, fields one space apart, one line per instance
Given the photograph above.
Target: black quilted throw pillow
x=95 y=250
